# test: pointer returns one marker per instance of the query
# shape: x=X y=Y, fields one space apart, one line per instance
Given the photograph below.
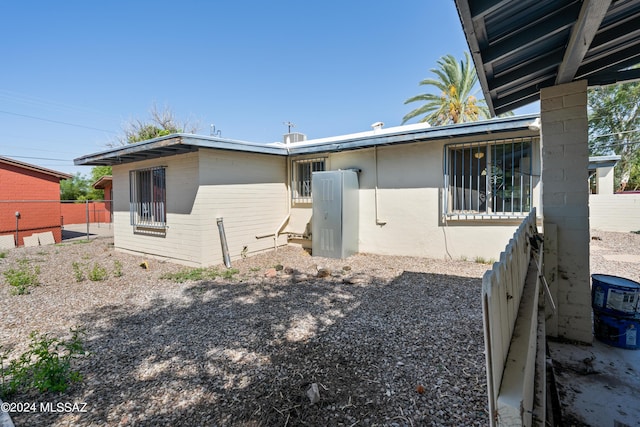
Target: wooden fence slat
x=502 y=291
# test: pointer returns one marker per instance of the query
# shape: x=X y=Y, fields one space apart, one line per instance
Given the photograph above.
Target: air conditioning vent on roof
x=293 y=137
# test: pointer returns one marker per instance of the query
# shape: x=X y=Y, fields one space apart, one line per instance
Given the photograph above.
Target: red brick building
x=29 y=199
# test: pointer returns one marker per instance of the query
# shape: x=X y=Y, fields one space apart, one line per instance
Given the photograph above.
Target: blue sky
x=75 y=72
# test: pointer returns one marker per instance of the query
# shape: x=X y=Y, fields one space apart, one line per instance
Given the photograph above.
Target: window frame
x=148 y=198
x=489 y=179
x=301 y=190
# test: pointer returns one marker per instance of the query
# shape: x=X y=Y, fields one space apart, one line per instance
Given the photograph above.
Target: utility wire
x=56 y=121
x=38 y=158
x=616 y=133
x=614 y=144
x=48 y=104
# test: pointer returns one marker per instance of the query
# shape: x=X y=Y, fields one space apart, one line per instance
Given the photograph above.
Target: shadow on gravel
x=245 y=354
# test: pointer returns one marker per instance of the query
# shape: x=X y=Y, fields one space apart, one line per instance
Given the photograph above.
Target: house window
x=301 y=179
x=490 y=178
x=148 y=197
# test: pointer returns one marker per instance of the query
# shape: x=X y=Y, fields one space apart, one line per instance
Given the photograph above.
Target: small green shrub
x=192 y=274
x=117 y=268
x=77 y=271
x=3 y=254
x=481 y=260
x=229 y=273
x=97 y=273
x=46 y=366
x=23 y=277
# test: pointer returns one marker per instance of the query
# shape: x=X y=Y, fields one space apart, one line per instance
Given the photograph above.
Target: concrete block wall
x=614 y=212
x=565 y=201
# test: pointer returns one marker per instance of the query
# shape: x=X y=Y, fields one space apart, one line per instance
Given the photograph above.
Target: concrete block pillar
x=565 y=204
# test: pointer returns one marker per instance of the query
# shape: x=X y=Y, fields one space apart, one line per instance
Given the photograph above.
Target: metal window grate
x=489 y=178
x=147 y=197
x=301 y=178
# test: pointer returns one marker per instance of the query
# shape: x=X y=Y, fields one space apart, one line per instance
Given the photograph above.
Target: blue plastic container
x=614 y=295
x=617 y=331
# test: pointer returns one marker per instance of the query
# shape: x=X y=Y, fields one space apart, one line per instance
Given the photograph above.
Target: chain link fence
x=64 y=219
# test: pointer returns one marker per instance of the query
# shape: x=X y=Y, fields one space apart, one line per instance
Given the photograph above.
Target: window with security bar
x=301 y=178
x=489 y=178
x=148 y=197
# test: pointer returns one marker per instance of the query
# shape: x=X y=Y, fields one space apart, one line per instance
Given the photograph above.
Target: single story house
x=29 y=200
x=454 y=191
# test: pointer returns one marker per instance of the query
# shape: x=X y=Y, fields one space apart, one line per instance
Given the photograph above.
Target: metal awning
x=522 y=46
x=168 y=146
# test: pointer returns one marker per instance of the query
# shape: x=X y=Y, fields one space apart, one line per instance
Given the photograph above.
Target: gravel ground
x=617 y=254
x=387 y=340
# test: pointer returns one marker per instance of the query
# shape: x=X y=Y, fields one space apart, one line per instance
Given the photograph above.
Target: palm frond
x=454 y=101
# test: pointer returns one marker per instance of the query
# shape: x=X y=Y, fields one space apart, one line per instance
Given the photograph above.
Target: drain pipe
x=223 y=243
x=375 y=191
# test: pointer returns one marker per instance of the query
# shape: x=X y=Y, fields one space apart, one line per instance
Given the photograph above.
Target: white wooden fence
x=514 y=334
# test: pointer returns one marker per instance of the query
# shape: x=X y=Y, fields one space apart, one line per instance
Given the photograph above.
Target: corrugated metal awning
x=521 y=46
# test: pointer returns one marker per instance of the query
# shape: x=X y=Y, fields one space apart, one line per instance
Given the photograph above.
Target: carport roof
x=522 y=46
x=185 y=143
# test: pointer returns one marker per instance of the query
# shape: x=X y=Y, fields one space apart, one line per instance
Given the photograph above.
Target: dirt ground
x=384 y=340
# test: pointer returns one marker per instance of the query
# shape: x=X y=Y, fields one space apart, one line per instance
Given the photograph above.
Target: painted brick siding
x=38 y=194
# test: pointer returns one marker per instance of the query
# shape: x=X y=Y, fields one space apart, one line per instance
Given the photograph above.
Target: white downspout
x=375 y=190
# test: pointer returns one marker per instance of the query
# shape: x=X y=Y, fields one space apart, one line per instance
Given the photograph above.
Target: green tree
x=75 y=188
x=162 y=123
x=454 y=102
x=614 y=128
x=79 y=187
x=98 y=172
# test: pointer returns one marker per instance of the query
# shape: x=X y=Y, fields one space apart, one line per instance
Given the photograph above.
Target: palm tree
x=455 y=103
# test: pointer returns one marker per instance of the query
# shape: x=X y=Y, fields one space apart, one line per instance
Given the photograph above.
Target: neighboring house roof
x=184 y=143
x=102 y=182
x=603 y=161
x=521 y=46
x=28 y=166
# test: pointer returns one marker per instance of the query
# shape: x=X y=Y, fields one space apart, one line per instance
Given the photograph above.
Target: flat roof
x=185 y=143
x=603 y=161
